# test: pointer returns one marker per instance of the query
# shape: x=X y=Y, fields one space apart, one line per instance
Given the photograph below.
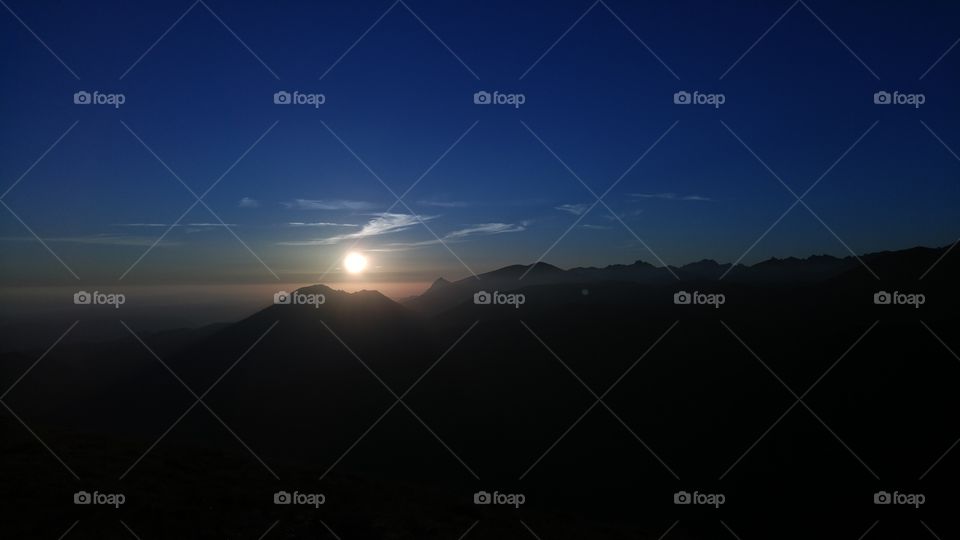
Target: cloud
x=575 y=209
x=670 y=196
x=167 y=225
x=112 y=240
x=444 y=204
x=328 y=204
x=320 y=224
x=480 y=229
x=485 y=229
x=247 y=202
x=382 y=224
x=595 y=227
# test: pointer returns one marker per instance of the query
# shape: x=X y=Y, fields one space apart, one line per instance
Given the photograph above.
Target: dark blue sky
x=399 y=99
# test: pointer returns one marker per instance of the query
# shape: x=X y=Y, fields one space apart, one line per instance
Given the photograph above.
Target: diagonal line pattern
x=527 y=527
x=199 y=400
x=399 y=399
x=954 y=445
x=44 y=244
x=635 y=36
x=598 y=399
x=799 y=398
x=870 y=528
x=37 y=437
x=234 y=34
x=929 y=530
x=399 y=199
x=799 y=199
x=42 y=356
x=409 y=189
x=39 y=159
x=434 y=34
x=465 y=533
x=380 y=18
x=270 y=528
x=159 y=39
x=127 y=527
x=618 y=19
x=819 y=20
x=199 y=200
x=35 y=36
x=66 y=532
x=727 y=527
x=22 y=176
x=599 y=200
x=219 y=20
x=941 y=57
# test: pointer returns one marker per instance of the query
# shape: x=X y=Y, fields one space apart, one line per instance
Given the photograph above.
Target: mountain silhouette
x=502 y=391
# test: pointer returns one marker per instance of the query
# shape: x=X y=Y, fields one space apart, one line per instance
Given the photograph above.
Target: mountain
x=501 y=391
x=444 y=295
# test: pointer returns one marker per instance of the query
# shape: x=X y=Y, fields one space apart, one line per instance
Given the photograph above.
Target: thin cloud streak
x=328 y=204
x=382 y=224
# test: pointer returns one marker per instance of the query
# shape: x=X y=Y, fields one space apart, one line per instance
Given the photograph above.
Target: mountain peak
x=438 y=285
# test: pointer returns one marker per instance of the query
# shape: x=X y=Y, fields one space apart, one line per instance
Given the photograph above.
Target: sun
x=354 y=262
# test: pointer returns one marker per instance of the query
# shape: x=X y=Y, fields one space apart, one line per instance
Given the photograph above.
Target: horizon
x=426 y=269
x=400 y=172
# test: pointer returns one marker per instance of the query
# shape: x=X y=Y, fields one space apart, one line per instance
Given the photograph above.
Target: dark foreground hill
x=598 y=397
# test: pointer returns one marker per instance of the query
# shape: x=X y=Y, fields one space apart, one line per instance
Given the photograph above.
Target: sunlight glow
x=354 y=263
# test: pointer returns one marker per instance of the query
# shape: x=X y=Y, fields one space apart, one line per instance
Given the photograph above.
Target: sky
x=399 y=162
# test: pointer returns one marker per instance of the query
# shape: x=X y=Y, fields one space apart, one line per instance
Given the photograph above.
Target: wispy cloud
x=382 y=224
x=444 y=204
x=575 y=209
x=195 y=225
x=670 y=196
x=320 y=224
x=484 y=229
x=328 y=204
x=480 y=229
x=109 y=240
x=247 y=202
x=595 y=227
